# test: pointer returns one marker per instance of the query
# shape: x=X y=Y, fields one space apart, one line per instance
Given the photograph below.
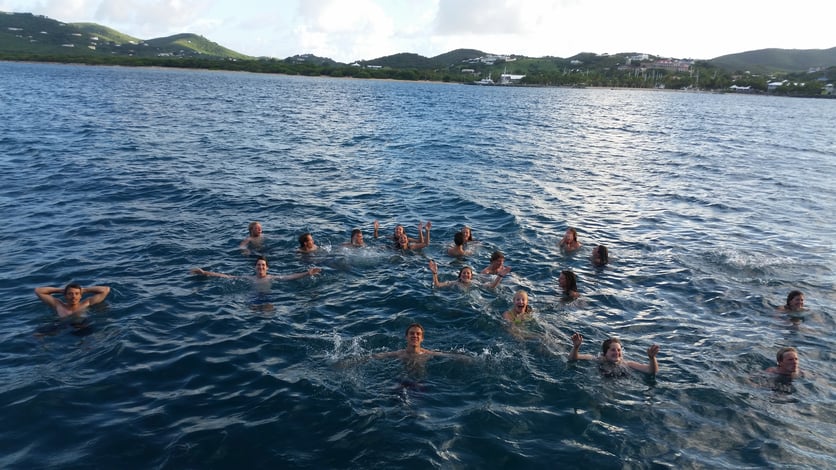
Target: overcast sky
x=349 y=30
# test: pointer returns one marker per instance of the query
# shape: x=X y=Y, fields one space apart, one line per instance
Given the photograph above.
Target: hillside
x=766 y=61
x=25 y=34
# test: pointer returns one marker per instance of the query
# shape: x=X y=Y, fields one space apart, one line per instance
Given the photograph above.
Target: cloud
x=152 y=17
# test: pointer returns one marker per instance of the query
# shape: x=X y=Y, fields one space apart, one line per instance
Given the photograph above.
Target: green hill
x=25 y=34
x=766 y=61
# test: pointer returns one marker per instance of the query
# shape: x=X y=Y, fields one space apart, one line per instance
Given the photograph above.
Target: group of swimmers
x=610 y=360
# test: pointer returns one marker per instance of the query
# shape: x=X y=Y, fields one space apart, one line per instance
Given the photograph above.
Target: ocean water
x=713 y=207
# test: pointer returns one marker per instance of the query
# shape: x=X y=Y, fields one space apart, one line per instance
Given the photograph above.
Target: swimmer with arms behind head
x=465 y=278
x=611 y=355
x=261 y=267
x=73 y=303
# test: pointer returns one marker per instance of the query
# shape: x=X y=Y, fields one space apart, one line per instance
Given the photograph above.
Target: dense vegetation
x=26 y=37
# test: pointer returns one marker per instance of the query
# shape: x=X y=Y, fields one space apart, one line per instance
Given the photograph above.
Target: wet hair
x=72 y=285
x=414 y=325
x=259 y=258
x=458 y=239
x=605 y=346
x=251 y=226
x=780 y=356
x=354 y=233
x=462 y=270
x=303 y=237
x=469 y=237
x=527 y=306
x=793 y=294
x=497 y=255
x=603 y=255
x=571 y=281
x=574 y=233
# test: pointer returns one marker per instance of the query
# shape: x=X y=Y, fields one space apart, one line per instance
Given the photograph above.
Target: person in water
x=73 y=303
x=402 y=242
x=570 y=242
x=521 y=311
x=457 y=248
x=356 y=239
x=795 y=302
x=255 y=237
x=497 y=262
x=787 y=363
x=413 y=350
x=468 y=235
x=611 y=355
x=397 y=234
x=306 y=243
x=600 y=256
x=568 y=283
x=261 y=267
x=465 y=278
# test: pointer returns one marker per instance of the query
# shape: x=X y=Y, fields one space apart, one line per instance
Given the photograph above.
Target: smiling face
x=796 y=303
x=402 y=241
x=72 y=296
x=520 y=302
x=466 y=233
x=466 y=275
x=398 y=231
x=613 y=353
x=414 y=336
x=261 y=268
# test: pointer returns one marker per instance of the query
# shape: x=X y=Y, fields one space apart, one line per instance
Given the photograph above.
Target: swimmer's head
x=458 y=239
x=611 y=349
x=466 y=274
x=795 y=300
x=600 y=255
x=254 y=228
x=357 y=236
x=568 y=281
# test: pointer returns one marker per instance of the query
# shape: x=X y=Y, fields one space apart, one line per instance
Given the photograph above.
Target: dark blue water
x=713 y=208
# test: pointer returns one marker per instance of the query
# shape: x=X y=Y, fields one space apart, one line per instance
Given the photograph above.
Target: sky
x=351 y=30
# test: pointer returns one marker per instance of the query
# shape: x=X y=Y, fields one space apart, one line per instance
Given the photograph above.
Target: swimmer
x=468 y=235
x=457 y=248
x=497 y=262
x=787 y=364
x=570 y=242
x=412 y=351
x=465 y=278
x=306 y=243
x=521 y=311
x=396 y=235
x=600 y=256
x=403 y=242
x=254 y=238
x=356 y=239
x=795 y=302
x=261 y=267
x=568 y=282
x=73 y=304
x=611 y=355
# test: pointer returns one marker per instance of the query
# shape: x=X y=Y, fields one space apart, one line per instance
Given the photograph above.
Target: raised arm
x=574 y=355
x=99 y=294
x=202 y=272
x=45 y=294
x=434 y=270
x=652 y=367
x=503 y=271
x=376 y=228
x=290 y=277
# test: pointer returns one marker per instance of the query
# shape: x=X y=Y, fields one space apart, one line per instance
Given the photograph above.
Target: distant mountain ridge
x=28 y=35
